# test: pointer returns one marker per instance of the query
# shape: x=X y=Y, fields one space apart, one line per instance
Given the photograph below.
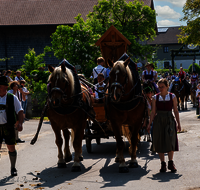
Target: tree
x=134 y=20
x=33 y=61
x=77 y=43
x=190 y=34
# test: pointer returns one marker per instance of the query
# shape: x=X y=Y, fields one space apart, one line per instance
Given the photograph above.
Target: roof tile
x=41 y=12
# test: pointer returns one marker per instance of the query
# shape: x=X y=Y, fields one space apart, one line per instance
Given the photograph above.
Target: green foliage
x=39 y=75
x=6 y=58
x=77 y=43
x=33 y=61
x=190 y=33
x=130 y=19
x=39 y=93
x=197 y=68
x=162 y=71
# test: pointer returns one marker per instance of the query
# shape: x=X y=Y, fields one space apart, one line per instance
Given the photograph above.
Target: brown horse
x=193 y=93
x=180 y=92
x=64 y=108
x=124 y=110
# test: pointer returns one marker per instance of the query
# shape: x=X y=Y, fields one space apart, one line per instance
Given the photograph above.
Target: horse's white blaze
x=123 y=165
x=115 y=97
x=76 y=164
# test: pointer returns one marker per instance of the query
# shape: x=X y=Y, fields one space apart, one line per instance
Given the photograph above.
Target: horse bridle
x=119 y=85
x=179 y=91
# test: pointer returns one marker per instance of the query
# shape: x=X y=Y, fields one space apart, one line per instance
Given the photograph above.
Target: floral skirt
x=164 y=133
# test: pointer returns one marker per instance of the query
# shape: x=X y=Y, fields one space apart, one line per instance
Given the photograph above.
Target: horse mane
x=68 y=76
x=128 y=71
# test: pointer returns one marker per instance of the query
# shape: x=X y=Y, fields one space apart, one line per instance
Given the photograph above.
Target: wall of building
x=16 y=40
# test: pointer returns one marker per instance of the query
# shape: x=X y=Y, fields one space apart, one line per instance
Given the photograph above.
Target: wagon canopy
x=112 y=44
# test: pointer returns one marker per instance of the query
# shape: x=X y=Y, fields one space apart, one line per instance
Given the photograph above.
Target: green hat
x=147 y=89
x=3 y=81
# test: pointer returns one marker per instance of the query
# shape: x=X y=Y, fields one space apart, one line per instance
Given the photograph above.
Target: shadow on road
x=51 y=177
x=165 y=177
x=109 y=172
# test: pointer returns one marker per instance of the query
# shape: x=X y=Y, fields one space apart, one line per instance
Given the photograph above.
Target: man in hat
x=182 y=76
x=9 y=107
x=18 y=76
x=148 y=74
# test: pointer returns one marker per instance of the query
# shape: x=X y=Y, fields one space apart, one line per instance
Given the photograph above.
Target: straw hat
x=148 y=64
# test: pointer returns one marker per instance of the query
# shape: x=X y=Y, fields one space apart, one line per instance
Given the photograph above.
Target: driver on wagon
x=148 y=74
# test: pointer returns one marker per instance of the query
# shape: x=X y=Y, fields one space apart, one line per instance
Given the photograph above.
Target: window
x=165 y=49
x=166 y=65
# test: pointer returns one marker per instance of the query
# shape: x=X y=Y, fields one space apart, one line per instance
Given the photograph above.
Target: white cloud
x=167 y=13
x=168 y=23
x=177 y=3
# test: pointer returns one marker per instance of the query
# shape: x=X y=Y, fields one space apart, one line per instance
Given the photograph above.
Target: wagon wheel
x=88 y=144
x=88 y=139
x=98 y=140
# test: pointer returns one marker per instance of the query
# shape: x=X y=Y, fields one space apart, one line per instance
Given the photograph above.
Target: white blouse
x=167 y=97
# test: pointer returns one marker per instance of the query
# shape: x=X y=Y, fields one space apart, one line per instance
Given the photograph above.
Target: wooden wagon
x=113 y=45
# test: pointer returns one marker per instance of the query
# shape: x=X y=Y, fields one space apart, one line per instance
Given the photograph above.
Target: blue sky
x=169 y=12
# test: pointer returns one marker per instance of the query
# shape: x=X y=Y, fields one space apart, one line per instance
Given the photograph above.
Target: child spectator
x=24 y=97
x=100 y=88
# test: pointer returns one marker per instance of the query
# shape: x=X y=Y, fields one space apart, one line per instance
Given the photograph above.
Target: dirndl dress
x=164 y=126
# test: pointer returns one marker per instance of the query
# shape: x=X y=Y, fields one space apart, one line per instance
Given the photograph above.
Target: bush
x=39 y=75
x=162 y=71
x=39 y=93
x=197 y=68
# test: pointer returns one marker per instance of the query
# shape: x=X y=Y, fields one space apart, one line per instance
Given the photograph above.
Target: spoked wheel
x=88 y=144
x=88 y=139
x=98 y=140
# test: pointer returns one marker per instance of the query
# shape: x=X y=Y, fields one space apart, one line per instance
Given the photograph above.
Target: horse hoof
x=123 y=170
x=62 y=165
x=117 y=160
x=76 y=168
x=133 y=165
x=80 y=158
x=68 y=159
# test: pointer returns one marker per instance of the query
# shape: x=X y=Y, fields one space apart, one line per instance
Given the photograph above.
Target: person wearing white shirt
x=148 y=74
x=9 y=108
x=18 y=76
x=14 y=90
x=100 y=89
x=8 y=73
x=99 y=69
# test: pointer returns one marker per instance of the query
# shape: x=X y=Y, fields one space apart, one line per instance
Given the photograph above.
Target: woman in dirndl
x=164 y=126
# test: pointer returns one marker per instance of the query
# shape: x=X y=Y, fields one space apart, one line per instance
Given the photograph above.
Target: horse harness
x=179 y=91
x=78 y=103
